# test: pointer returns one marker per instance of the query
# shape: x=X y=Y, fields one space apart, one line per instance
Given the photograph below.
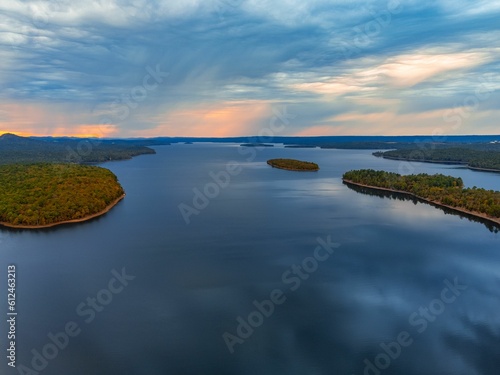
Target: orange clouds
x=401 y=71
x=52 y=120
x=212 y=120
x=409 y=70
x=224 y=119
x=392 y=123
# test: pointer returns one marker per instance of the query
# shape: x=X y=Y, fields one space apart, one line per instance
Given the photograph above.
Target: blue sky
x=127 y=68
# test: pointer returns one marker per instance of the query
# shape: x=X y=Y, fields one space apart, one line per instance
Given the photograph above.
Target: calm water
x=340 y=313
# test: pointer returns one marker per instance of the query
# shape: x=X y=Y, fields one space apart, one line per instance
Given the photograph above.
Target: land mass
x=45 y=195
x=256 y=145
x=293 y=165
x=484 y=158
x=440 y=190
x=16 y=149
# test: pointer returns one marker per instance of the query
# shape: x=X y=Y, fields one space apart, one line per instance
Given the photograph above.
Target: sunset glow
x=210 y=68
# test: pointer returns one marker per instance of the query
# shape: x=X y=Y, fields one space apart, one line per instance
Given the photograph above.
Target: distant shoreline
x=484 y=169
x=86 y=218
x=457 y=209
x=256 y=145
x=447 y=162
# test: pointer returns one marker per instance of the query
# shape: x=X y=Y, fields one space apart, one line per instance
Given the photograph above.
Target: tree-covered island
x=437 y=189
x=45 y=195
x=293 y=165
x=256 y=145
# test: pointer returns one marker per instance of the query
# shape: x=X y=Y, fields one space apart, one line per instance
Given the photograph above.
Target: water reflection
x=492 y=227
x=194 y=281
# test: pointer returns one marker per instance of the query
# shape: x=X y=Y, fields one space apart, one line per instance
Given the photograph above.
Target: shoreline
x=457 y=209
x=296 y=170
x=483 y=169
x=86 y=218
x=447 y=162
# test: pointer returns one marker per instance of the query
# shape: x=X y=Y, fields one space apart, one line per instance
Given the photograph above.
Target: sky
x=142 y=68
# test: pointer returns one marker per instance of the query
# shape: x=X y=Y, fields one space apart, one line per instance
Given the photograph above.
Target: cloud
x=426 y=56
x=49 y=119
x=402 y=71
x=461 y=7
x=223 y=119
x=409 y=70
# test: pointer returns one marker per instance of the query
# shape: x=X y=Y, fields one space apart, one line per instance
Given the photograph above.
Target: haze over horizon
x=222 y=68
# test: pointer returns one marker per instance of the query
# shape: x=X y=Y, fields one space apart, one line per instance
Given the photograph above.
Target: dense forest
x=15 y=149
x=44 y=194
x=437 y=188
x=293 y=165
x=486 y=157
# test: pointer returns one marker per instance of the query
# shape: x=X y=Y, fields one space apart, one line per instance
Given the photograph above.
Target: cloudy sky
x=127 y=68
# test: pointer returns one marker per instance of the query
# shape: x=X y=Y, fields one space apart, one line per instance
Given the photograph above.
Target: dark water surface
x=401 y=272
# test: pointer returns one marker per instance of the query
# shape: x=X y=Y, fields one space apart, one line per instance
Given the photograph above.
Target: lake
x=267 y=272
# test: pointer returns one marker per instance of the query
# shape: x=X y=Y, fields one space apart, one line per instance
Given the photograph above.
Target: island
x=256 y=145
x=438 y=189
x=293 y=165
x=43 y=195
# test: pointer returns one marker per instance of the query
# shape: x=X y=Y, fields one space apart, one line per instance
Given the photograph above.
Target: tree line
x=438 y=188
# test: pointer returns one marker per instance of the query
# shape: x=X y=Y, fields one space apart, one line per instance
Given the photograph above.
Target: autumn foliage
x=44 y=194
x=293 y=165
x=437 y=188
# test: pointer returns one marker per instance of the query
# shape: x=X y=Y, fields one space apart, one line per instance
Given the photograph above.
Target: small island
x=256 y=145
x=438 y=189
x=293 y=165
x=44 y=195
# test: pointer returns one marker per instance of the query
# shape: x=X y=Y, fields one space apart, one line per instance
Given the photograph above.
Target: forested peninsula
x=438 y=189
x=45 y=195
x=293 y=165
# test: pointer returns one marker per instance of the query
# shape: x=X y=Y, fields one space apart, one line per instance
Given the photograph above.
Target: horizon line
x=253 y=136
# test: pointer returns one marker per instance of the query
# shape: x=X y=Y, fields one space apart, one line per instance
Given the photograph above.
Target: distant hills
x=14 y=148
x=325 y=141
